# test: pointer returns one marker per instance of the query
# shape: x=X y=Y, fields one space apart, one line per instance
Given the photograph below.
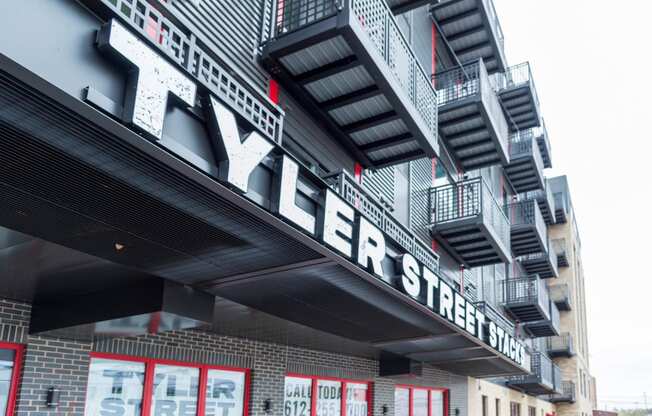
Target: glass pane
x=419 y=402
x=114 y=387
x=437 y=403
x=7 y=358
x=356 y=399
x=175 y=391
x=225 y=393
x=401 y=402
x=297 y=396
x=329 y=398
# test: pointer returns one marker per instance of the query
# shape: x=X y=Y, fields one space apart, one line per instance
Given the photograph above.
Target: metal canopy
x=75 y=177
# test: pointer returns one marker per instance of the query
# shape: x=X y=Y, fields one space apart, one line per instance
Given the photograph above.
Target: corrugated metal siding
x=420 y=183
x=233 y=28
x=382 y=183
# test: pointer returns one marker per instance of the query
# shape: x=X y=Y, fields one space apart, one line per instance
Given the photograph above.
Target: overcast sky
x=592 y=66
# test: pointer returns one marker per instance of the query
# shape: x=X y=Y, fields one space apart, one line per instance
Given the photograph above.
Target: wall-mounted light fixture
x=52 y=397
x=267 y=406
x=385 y=409
x=457 y=411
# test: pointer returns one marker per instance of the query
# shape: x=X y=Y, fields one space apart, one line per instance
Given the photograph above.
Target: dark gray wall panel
x=234 y=32
x=305 y=132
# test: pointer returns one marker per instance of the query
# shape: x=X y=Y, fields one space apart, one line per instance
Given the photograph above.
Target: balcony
x=492 y=313
x=545 y=327
x=541 y=381
x=526 y=299
x=525 y=167
x=347 y=63
x=543 y=263
x=560 y=295
x=472 y=30
x=567 y=393
x=470 y=118
x=518 y=95
x=546 y=202
x=541 y=134
x=470 y=224
x=528 y=230
x=559 y=245
x=561 y=209
x=560 y=346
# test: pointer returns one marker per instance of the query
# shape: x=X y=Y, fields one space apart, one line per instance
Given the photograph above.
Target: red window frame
x=12 y=394
x=344 y=381
x=410 y=387
x=148 y=385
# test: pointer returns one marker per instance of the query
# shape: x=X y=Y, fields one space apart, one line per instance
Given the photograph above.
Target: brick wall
x=47 y=362
x=52 y=362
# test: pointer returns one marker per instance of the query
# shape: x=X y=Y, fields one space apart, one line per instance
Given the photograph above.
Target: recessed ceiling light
x=119 y=247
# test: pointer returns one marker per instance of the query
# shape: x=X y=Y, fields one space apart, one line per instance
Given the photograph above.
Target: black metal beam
x=370 y=122
x=388 y=142
x=350 y=98
x=328 y=70
x=455 y=18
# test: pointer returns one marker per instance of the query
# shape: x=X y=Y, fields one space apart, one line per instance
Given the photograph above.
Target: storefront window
x=116 y=387
x=9 y=369
x=437 y=403
x=401 y=401
x=356 y=399
x=420 y=401
x=225 y=393
x=328 y=400
x=175 y=391
x=297 y=396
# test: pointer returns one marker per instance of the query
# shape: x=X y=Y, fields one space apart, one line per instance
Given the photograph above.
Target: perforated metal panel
x=420 y=183
x=382 y=183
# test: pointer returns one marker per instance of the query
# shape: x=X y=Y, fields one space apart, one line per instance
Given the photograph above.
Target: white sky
x=592 y=66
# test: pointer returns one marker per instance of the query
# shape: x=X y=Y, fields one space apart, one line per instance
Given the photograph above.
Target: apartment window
x=532 y=411
x=324 y=394
x=497 y=407
x=514 y=409
x=10 y=362
x=485 y=406
x=135 y=386
x=420 y=401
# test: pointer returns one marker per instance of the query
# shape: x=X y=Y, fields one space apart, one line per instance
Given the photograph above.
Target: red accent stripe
x=273 y=91
x=12 y=394
x=357 y=172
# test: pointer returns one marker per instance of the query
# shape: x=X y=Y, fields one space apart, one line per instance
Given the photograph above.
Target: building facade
x=279 y=207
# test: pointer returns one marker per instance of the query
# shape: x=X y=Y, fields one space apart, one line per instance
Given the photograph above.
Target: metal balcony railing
x=541 y=379
x=541 y=136
x=560 y=207
x=523 y=144
x=556 y=378
x=561 y=345
x=546 y=202
x=566 y=393
x=377 y=21
x=559 y=246
x=468 y=199
x=376 y=212
x=560 y=295
x=494 y=22
x=516 y=76
x=529 y=290
x=527 y=213
x=492 y=313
